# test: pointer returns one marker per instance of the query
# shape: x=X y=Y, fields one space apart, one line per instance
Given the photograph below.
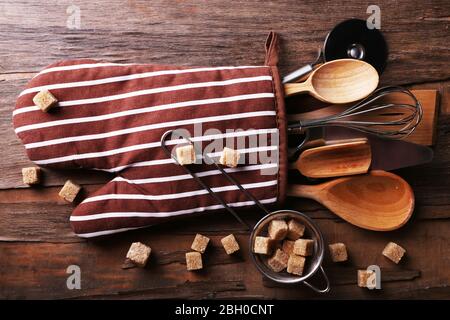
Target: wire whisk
x=372 y=115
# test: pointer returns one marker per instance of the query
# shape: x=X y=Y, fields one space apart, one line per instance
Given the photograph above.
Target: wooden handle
x=291 y=89
x=302 y=191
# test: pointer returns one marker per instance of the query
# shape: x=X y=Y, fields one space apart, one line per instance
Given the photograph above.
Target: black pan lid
x=352 y=39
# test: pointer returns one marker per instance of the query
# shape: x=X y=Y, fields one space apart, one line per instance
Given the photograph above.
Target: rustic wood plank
x=27 y=271
x=201 y=32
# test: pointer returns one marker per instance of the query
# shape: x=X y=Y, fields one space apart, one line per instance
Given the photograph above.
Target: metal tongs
x=222 y=170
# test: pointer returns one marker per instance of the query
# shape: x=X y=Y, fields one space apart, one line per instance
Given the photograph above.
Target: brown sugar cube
x=363 y=276
x=69 y=191
x=31 y=175
x=288 y=246
x=277 y=229
x=230 y=244
x=295 y=229
x=229 y=157
x=194 y=261
x=139 y=254
x=278 y=262
x=200 y=243
x=296 y=264
x=262 y=245
x=338 y=252
x=393 y=252
x=303 y=247
x=45 y=100
x=185 y=154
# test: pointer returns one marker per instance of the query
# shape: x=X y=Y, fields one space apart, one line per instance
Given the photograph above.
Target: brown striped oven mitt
x=111 y=117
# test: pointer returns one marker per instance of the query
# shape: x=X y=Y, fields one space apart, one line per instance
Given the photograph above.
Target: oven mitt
x=111 y=117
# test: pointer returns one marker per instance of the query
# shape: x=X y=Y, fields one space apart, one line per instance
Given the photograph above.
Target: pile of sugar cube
x=285 y=246
x=194 y=258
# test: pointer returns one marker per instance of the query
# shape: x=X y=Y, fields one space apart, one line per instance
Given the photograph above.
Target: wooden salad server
x=379 y=200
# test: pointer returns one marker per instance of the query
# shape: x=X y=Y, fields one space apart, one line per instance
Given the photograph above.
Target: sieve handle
x=327 y=288
x=297 y=74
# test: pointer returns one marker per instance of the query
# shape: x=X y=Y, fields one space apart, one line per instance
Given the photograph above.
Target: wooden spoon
x=379 y=200
x=338 y=81
x=335 y=160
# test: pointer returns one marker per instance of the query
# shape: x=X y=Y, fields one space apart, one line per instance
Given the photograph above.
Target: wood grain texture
x=36 y=243
x=218 y=33
x=378 y=200
x=338 y=81
x=36 y=275
x=339 y=159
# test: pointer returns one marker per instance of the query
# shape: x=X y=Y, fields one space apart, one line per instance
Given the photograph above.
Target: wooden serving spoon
x=379 y=200
x=335 y=160
x=338 y=81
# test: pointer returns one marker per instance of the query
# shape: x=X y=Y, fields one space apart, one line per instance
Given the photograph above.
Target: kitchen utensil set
x=355 y=138
x=350 y=142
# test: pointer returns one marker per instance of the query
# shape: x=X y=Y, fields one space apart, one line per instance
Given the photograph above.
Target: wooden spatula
x=379 y=200
x=335 y=160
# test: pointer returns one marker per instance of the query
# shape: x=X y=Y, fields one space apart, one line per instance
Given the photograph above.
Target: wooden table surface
x=36 y=242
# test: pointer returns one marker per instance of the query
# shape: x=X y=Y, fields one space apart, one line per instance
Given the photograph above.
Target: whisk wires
x=372 y=115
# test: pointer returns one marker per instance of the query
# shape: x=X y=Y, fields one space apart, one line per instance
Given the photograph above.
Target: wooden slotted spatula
x=379 y=200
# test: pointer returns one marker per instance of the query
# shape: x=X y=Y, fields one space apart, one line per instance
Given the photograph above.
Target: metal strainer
x=313 y=263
